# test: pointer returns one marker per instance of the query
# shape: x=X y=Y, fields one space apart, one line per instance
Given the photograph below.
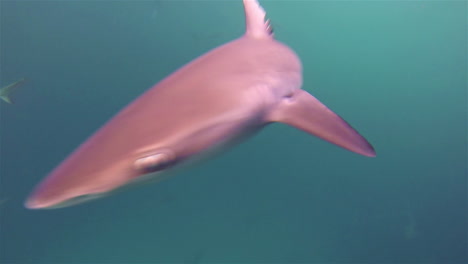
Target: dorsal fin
x=255 y=24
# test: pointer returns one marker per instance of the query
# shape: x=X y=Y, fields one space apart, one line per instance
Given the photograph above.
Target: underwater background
x=395 y=70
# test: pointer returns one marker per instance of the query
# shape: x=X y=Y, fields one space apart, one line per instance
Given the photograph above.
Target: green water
x=396 y=70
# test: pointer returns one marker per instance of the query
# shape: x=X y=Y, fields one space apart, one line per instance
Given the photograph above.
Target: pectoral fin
x=305 y=112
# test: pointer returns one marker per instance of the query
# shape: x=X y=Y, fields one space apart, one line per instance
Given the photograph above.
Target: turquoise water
x=396 y=70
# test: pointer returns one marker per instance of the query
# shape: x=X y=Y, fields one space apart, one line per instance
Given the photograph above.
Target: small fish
x=5 y=91
x=224 y=95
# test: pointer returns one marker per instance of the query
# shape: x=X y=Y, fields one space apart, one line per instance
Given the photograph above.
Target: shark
x=211 y=103
x=5 y=91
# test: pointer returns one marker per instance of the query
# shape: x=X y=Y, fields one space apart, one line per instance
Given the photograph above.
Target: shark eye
x=289 y=95
x=153 y=162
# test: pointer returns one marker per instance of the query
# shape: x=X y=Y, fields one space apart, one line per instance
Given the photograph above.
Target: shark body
x=5 y=91
x=222 y=96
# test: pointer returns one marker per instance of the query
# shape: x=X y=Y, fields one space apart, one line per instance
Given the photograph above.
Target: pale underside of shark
x=220 y=97
x=6 y=91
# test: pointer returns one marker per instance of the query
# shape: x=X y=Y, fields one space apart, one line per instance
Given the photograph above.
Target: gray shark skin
x=5 y=91
x=222 y=96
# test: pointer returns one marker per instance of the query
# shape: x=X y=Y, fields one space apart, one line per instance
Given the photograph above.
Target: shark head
x=79 y=179
x=216 y=99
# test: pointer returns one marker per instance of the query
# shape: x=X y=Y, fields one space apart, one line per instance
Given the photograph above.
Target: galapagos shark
x=218 y=98
x=5 y=91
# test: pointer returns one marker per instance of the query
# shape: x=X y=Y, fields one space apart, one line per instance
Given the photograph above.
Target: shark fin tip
x=256 y=25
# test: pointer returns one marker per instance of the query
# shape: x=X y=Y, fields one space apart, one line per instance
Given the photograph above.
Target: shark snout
x=32 y=203
x=38 y=200
x=42 y=199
